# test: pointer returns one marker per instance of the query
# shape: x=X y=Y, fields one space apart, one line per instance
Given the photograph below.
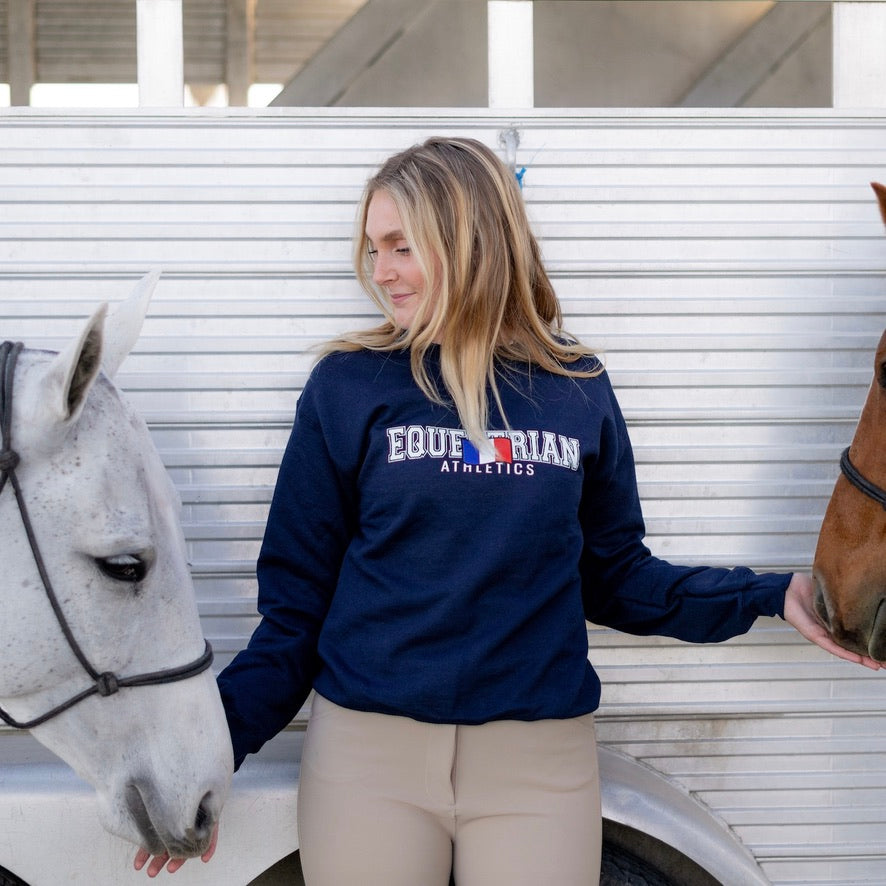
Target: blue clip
x=519 y=176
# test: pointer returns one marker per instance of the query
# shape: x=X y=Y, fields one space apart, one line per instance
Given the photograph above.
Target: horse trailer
x=730 y=266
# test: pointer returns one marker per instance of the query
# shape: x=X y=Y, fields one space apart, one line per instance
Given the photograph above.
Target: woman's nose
x=383 y=270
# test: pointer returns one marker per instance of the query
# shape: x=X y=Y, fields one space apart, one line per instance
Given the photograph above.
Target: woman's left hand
x=799 y=612
x=158 y=862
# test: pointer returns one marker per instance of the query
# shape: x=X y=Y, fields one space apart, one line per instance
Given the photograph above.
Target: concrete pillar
x=511 y=54
x=859 y=54
x=21 y=61
x=240 y=50
x=160 y=52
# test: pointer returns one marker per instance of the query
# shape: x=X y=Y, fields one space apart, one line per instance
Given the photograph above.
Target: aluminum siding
x=729 y=264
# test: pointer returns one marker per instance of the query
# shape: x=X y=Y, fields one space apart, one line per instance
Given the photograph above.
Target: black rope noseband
x=860 y=482
x=106 y=683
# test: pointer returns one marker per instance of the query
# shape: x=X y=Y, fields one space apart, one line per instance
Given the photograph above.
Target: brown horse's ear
x=880 y=191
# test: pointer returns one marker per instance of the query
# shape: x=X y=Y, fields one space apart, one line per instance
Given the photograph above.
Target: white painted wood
x=160 y=53
x=859 y=59
x=511 y=54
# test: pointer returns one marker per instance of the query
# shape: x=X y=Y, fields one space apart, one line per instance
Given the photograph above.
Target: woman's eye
x=373 y=254
x=403 y=250
x=123 y=567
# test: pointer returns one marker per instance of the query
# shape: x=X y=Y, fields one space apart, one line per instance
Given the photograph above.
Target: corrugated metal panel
x=731 y=268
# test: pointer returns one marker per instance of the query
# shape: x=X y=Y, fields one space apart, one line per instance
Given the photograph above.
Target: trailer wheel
x=633 y=858
x=7 y=879
x=619 y=867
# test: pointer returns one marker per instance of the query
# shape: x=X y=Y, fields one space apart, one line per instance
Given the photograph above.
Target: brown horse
x=850 y=560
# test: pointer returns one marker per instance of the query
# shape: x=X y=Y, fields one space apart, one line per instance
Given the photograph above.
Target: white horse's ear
x=124 y=325
x=70 y=375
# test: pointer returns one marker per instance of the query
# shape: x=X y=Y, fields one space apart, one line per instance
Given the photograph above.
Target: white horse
x=109 y=615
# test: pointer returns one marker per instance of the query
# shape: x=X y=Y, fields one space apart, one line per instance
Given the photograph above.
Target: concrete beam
x=363 y=39
x=240 y=50
x=760 y=51
x=20 y=50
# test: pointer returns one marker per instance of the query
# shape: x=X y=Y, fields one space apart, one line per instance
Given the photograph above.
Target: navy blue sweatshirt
x=405 y=572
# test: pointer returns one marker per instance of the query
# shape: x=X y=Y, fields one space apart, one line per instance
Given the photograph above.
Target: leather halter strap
x=106 y=683
x=860 y=482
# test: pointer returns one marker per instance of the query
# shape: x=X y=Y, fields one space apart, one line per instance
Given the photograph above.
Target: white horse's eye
x=123 y=567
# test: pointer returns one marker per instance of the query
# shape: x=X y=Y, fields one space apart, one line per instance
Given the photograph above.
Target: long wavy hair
x=464 y=219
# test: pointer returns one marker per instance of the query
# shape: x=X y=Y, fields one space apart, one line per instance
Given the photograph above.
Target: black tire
x=7 y=879
x=619 y=867
x=633 y=858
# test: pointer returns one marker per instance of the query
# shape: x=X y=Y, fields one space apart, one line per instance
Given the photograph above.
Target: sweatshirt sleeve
x=627 y=588
x=307 y=532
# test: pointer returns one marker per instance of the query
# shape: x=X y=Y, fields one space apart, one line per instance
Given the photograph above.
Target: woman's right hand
x=158 y=862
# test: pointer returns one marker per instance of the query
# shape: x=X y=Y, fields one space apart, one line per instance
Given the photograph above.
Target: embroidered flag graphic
x=498 y=450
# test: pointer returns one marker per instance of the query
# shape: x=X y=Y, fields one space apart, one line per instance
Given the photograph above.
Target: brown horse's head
x=850 y=560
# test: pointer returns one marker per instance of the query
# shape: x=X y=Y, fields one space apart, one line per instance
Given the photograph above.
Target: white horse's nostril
x=204 y=821
x=135 y=803
x=159 y=835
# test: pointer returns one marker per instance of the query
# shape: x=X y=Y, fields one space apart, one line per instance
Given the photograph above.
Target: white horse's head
x=105 y=520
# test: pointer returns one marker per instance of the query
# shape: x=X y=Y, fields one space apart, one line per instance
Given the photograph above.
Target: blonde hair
x=464 y=219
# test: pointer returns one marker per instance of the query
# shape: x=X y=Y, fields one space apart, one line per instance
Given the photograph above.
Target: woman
x=458 y=495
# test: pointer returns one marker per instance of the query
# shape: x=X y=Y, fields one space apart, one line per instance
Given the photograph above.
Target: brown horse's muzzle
x=863 y=630
x=877 y=641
